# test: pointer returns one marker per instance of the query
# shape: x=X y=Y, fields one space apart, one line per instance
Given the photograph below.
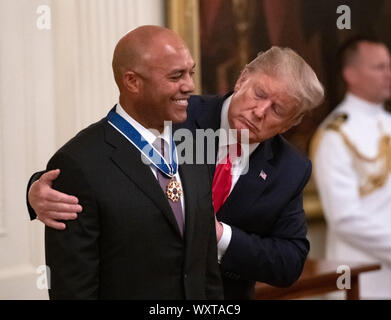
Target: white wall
x=52 y=84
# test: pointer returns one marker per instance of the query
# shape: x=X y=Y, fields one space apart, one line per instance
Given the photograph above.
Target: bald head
x=139 y=48
x=154 y=71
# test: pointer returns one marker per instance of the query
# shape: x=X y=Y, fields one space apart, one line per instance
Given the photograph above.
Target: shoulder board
x=337 y=121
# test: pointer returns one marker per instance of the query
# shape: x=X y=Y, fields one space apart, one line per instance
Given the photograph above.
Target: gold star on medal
x=174 y=190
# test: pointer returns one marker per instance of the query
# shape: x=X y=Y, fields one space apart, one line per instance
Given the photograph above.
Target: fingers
x=57 y=206
x=52 y=211
x=49 y=176
x=50 y=219
x=53 y=215
x=45 y=191
x=54 y=224
x=43 y=198
x=57 y=196
x=51 y=205
x=50 y=216
x=41 y=192
x=40 y=204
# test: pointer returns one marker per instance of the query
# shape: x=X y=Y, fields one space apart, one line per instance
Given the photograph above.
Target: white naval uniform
x=358 y=218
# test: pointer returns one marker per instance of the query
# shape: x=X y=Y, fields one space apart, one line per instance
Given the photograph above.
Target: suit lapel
x=128 y=159
x=251 y=184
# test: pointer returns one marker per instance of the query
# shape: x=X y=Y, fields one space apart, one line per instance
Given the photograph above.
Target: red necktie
x=222 y=180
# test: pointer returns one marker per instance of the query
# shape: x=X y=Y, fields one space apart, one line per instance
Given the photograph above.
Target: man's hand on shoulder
x=51 y=205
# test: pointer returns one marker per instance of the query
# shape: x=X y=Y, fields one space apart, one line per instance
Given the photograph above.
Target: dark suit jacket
x=266 y=216
x=126 y=243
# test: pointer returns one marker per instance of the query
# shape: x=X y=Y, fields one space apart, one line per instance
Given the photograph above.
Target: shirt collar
x=147 y=134
x=363 y=105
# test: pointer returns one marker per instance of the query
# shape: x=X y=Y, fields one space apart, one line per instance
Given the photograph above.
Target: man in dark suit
x=260 y=224
x=135 y=239
x=260 y=215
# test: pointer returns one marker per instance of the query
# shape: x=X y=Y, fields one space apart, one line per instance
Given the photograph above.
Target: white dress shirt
x=239 y=167
x=150 y=136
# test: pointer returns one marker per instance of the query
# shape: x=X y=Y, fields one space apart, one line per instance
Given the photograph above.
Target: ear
x=131 y=81
x=349 y=74
x=243 y=77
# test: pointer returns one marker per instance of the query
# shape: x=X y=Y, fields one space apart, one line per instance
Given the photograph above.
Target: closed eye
x=179 y=74
x=277 y=109
x=176 y=76
x=260 y=94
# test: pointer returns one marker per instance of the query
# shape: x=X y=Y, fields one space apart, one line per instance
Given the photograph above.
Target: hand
x=219 y=229
x=51 y=205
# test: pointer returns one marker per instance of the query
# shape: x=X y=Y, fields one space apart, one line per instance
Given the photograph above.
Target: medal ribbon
x=142 y=144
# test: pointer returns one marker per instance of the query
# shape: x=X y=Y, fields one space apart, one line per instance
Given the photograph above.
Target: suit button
x=185 y=276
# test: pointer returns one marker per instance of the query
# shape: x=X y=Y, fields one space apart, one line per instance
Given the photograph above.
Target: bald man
x=134 y=239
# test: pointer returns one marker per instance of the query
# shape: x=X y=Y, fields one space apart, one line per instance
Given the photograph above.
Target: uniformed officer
x=352 y=165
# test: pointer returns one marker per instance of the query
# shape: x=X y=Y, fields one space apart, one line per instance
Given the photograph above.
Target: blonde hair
x=284 y=63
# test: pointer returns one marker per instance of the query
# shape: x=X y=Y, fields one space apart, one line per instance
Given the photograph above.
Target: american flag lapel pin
x=263 y=175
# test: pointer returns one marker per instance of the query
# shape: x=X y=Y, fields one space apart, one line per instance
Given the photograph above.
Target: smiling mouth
x=181 y=102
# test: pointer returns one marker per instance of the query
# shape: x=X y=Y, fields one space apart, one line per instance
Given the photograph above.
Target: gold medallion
x=174 y=190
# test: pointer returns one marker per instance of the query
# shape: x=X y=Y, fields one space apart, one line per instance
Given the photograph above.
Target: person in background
x=351 y=152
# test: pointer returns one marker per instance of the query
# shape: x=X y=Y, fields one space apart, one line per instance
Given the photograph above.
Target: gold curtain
x=182 y=16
